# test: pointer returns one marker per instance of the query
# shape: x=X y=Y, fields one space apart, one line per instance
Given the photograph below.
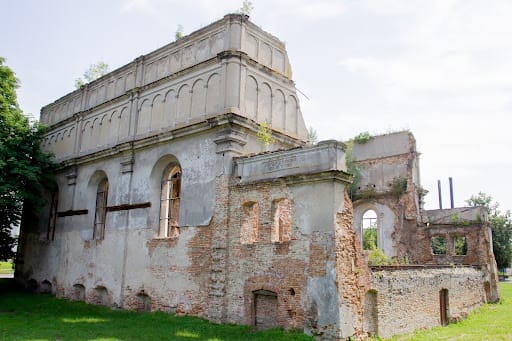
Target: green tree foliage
x=438 y=245
x=24 y=169
x=501 y=227
x=461 y=246
x=265 y=134
x=94 y=72
x=370 y=238
x=246 y=8
x=179 y=32
x=312 y=135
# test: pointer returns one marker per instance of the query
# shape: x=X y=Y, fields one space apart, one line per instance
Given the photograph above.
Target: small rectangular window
x=438 y=245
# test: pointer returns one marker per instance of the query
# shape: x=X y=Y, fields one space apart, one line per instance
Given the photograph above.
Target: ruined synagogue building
x=168 y=200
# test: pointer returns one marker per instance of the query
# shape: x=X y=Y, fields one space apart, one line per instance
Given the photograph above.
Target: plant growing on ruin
x=179 y=32
x=352 y=169
x=246 y=8
x=265 y=134
x=377 y=257
x=363 y=137
x=312 y=135
x=94 y=72
x=398 y=186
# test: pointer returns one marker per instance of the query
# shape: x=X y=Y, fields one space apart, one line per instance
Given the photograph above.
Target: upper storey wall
x=233 y=32
x=228 y=66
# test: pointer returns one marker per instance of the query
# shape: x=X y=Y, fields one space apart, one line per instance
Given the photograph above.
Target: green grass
x=43 y=317
x=490 y=322
x=6 y=268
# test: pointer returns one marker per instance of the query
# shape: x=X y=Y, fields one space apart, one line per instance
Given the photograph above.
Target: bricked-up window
x=249 y=222
x=370 y=314
x=101 y=210
x=143 y=302
x=52 y=221
x=369 y=230
x=282 y=220
x=438 y=245
x=170 y=202
x=460 y=245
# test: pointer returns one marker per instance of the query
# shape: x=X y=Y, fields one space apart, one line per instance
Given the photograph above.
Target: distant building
x=169 y=199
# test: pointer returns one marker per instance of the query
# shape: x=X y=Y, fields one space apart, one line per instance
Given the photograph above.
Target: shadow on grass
x=25 y=316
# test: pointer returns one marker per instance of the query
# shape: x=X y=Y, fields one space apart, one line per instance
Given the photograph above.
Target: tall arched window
x=101 y=210
x=369 y=230
x=170 y=202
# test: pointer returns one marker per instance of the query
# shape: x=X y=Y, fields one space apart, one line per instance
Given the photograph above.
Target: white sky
x=442 y=69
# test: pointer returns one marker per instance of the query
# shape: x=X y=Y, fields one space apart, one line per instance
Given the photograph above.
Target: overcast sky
x=442 y=69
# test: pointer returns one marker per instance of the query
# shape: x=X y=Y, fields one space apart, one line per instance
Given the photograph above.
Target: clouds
x=438 y=67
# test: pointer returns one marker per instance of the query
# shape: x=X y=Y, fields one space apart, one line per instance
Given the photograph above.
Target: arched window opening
x=143 y=302
x=369 y=230
x=46 y=287
x=101 y=210
x=52 y=221
x=79 y=292
x=101 y=296
x=170 y=202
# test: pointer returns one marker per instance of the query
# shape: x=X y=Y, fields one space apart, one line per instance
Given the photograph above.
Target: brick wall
x=409 y=299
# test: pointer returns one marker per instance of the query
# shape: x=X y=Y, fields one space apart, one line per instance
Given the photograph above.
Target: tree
x=246 y=8
x=25 y=170
x=179 y=32
x=94 y=72
x=312 y=135
x=501 y=227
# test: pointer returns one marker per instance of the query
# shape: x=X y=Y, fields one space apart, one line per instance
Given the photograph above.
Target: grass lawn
x=490 y=322
x=6 y=268
x=43 y=317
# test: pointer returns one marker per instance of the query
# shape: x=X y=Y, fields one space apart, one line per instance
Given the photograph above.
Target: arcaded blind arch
x=101 y=210
x=170 y=202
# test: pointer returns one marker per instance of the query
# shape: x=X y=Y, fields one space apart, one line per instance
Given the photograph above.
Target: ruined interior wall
x=388 y=165
x=410 y=299
x=300 y=271
x=277 y=267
